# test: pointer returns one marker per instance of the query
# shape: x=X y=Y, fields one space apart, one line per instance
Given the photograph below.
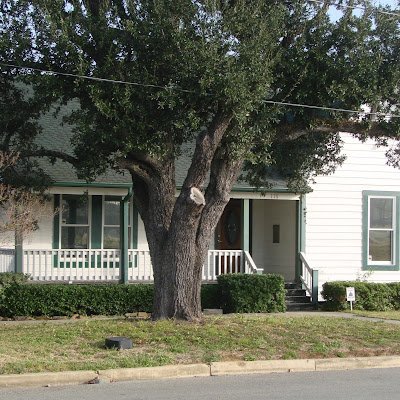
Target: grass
x=49 y=346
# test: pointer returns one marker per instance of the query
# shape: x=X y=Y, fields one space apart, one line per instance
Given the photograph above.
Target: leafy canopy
x=182 y=61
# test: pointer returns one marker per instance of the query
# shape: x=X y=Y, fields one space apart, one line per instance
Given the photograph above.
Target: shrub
x=210 y=296
x=60 y=299
x=9 y=278
x=51 y=300
x=234 y=293
x=252 y=293
x=369 y=296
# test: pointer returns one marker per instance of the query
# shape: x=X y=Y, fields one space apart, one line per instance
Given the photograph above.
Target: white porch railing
x=309 y=279
x=250 y=266
x=221 y=262
x=103 y=265
x=7 y=257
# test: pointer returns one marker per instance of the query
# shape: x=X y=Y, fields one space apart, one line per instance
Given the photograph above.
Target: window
x=91 y=222
x=380 y=231
x=111 y=230
x=276 y=233
x=74 y=222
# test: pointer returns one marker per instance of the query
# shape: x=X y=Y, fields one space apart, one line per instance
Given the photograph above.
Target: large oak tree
x=219 y=75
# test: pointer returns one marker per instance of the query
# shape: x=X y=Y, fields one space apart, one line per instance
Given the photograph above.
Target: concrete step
x=292 y=285
x=296 y=299
x=295 y=292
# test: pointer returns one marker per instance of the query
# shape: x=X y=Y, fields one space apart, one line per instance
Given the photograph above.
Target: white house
x=346 y=228
x=353 y=218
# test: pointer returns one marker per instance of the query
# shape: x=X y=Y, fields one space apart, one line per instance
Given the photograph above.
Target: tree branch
x=224 y=172
x=206 y=145
x=289 y=133
x=50 y=153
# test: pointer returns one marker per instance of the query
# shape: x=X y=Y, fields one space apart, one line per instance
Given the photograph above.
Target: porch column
x=246 y=224
x=124 y=236
x=245 y=231
x=301 y=232
x=19 y=253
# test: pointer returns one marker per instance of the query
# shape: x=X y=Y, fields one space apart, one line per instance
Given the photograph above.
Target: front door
x=230 y=235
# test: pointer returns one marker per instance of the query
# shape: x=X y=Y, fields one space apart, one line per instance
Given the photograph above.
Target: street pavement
x=355 y=385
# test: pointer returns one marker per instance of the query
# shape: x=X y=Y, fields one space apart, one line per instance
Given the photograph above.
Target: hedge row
x=234 y=293
x=369 y=296
x=47 y=299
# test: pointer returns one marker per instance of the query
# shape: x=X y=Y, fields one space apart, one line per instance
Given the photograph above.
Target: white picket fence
x=103 y=265
x=7 y=257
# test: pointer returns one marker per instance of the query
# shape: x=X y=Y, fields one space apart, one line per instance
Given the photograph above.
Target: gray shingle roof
x=57 y=134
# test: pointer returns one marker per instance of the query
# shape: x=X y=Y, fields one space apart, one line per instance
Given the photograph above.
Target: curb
x=195 y=370
x=167 y=371
x=46 y=379
x=261 y=367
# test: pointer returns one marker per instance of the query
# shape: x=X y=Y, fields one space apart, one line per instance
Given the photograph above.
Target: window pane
x=380 y=246
x=381 y=213
x=111 y=238
x=75 y=209
x=111 y=212
x=74 y=237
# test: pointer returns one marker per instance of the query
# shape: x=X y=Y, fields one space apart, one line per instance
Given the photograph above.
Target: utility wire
x=396 y=14
x=93 y=78
x=191 y=91
x=280 y=103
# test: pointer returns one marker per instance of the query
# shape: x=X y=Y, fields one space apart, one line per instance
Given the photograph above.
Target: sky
x=393 y=3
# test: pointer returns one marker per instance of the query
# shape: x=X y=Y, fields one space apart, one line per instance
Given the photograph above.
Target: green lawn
x=49 y=346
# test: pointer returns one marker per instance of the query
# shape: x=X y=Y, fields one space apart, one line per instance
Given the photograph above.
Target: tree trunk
x=177 y=281
x=178 y=262
x=179 y=230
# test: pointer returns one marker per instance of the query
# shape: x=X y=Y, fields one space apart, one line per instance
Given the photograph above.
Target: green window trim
x=96 y=218
x=383 y=266
x=75 y=221
x=96 y=222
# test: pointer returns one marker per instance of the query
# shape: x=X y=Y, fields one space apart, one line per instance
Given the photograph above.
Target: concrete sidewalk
x=336 y=314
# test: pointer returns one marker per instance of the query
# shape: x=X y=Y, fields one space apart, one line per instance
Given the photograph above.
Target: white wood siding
x=279 y=258
x=334 y=212
x=142 y=240
x=42 y=238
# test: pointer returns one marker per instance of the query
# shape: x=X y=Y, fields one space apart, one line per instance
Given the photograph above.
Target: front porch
x=72 y=265
x=90 y=266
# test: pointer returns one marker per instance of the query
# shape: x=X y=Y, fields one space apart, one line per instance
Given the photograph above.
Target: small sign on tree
x=351 y=296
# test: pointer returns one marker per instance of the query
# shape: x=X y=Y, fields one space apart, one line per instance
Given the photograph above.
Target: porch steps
x=296 y=299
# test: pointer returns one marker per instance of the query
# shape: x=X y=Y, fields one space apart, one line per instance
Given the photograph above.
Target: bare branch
x=20 y=210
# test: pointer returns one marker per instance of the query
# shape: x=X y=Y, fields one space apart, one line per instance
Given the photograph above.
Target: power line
x=396 y=14
x=280 y=103
x=93 y=78
x=387 y=115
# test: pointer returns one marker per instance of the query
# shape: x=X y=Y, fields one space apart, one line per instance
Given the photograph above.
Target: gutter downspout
x=124 y=238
